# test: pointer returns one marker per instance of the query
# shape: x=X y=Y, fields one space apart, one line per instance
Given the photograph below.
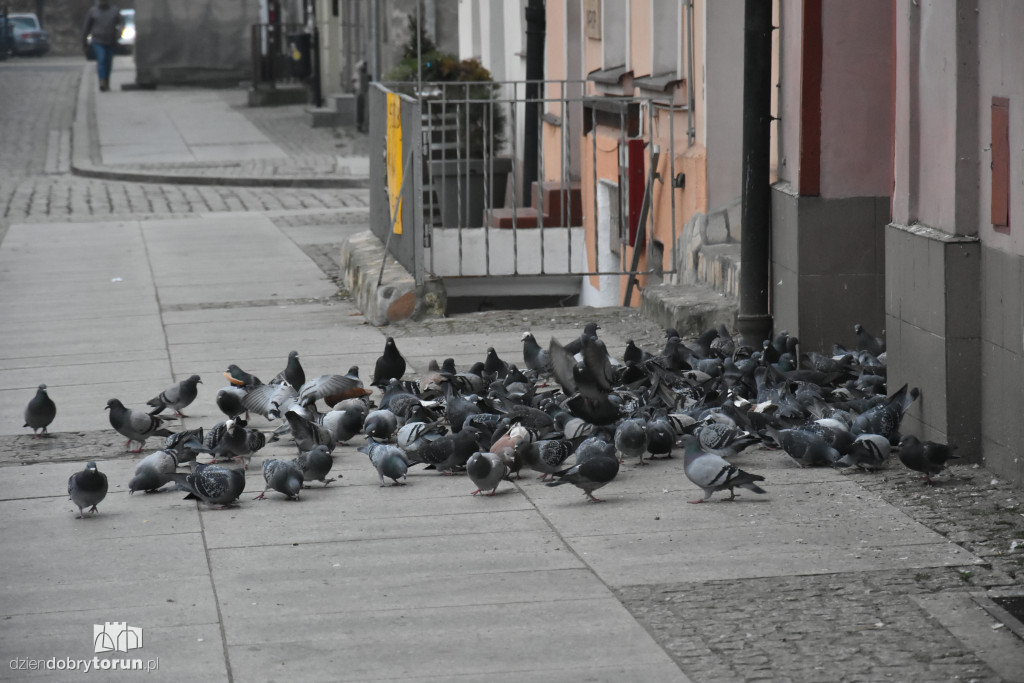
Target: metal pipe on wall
x=375 y=41
x=536 y=25
x=754 y=321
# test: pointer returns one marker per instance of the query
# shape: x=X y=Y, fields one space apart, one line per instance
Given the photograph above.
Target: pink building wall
x=856 y=92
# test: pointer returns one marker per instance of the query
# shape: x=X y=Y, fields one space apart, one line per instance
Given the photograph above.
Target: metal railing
x=472 y=219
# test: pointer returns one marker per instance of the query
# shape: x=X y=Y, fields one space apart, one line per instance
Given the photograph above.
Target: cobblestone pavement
x=35 y=183
x=863 y=626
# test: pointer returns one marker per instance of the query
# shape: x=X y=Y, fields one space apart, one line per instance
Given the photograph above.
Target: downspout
x=536 y=26
x=754 y=321
x=374 y=41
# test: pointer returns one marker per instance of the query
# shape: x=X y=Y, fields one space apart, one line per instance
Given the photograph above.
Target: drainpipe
x=535 y=29
x=374 y=41
x=754 y=322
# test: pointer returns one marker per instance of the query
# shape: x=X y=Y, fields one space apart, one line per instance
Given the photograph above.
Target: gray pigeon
x=135 y=424
x=177 y=396
x=806 y=448
x=315 y=464
x=230 y=401
x=449 y=452
x=212 y=484
x=724 y=440
x=868 y=452
x=589 y=475
x=187 y=444
x=544 y=456
x=631 y=438
x=87 y=488
x=234 y=439
x=154 y=471
x=486 y=470
x=534 y=355
x=293 y=374
x=308 y=434
x=380 y=424
x=885 y=418
x=594 y=447
x=927 y=457
x=40 y=411
x=346 y=420
x=269 y=400
x=389 y=461
x=329 y=385
x=413 y=435
x=282 y=476
x=713 y=473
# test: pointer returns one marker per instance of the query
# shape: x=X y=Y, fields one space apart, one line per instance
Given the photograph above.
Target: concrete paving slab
x=175 y=126
x=332 y=514
x=49 y=480
x=141 y=370
x=293 y=314
x=28 y=360
x=106 y=535
x=80 y=407
x=662 y=557
x=475 y=640
x=351 y=593
x=445 y=555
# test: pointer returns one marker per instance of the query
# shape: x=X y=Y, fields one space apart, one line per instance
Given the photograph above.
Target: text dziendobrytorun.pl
x=85 y=665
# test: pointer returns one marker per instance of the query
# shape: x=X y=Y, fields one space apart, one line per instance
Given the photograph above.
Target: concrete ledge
x=275 y=97
x=397 y=297
x=690 y=309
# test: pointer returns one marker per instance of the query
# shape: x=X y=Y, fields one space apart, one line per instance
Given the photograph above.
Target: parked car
x=126 y=41
x=29 y=36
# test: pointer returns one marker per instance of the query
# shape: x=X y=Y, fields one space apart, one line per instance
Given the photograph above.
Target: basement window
x=1001 y=164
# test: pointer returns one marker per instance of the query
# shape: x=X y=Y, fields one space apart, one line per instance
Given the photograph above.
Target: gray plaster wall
x=828 y=266
x=933 y=314
x=1002 y=362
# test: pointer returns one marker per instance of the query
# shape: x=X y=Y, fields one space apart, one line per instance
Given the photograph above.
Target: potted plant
x=464 y=126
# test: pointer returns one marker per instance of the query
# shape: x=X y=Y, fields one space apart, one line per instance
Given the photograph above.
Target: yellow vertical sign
x=394 y=159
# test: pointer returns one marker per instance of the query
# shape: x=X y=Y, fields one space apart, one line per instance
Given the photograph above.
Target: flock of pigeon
x=572 y=413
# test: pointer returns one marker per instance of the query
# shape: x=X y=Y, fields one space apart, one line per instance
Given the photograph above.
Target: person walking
x=104 y=22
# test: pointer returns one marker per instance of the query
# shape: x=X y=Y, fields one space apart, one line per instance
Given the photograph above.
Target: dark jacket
x=104 y=22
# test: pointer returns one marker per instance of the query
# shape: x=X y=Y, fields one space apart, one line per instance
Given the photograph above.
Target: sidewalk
x=207 y=136
x=829 y=577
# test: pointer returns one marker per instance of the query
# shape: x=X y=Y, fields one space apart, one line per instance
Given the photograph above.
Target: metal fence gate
x=469 y=210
